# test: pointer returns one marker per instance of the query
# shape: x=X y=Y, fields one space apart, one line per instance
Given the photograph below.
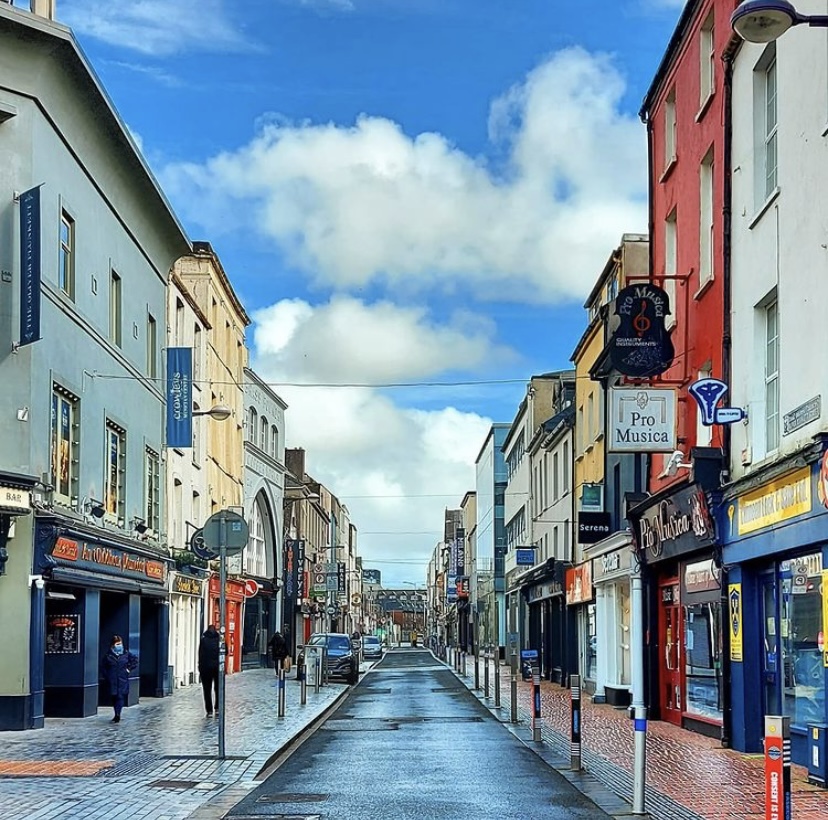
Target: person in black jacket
x=278 y=650
x=116 y=667
x=208 y=667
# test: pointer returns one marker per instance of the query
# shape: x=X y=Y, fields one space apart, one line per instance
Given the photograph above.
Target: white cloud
x=336 y=5
x=156 y=27
x=396 y=468
x=352 y=205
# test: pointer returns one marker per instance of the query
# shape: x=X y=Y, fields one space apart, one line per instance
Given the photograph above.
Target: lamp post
x=221 y=412
x=761 y=21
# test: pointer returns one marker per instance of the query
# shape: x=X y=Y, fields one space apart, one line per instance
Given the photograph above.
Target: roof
x=206 y=249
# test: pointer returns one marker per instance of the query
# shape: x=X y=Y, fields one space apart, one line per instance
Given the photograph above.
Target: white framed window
x=152 y=346
x=706 y=243
x=66 y=261
x=770 y=153
x=65 y=446
x=255 y=560
x=115 y=317
x=115 y=471
x=670 y=128
x=152 y=489
x=707 y=59
x=565 y=467
x=772 y=376
x=253 y=421
x=556 y=488
x=265 y=427
x=671 y=264
x=274 y=441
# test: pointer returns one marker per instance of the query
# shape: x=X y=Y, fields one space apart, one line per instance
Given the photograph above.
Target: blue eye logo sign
x=708 y=393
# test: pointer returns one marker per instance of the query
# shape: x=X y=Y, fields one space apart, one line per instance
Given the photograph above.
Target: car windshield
x=370 y=640
x=339 y=642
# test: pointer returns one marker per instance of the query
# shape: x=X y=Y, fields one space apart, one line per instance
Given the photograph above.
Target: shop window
x=703 y=660
x=65 y=446
x=590 y=643
x=115 y=471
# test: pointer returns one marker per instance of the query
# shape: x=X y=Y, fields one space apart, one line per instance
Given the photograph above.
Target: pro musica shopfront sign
x=675 y=525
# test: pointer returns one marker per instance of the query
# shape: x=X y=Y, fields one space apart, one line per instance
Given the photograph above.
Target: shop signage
x=802 y=415
x=734 y=600
x=63 y=634
x=701 y=576
x=540 y=592
x=525 y=556
x=824 y=615
x=186 y=585
x=463 y=588
x=579 y=583
x=340 y=577
x=251 y=588
x=676 y=525
x=460 y=553
x=610 y=564
x=641 y=345
x=179 y=397
x=371 y=576
x=642 y=420
x=233 y=590
x=707 y=393
x=113 y=561
x=30 y=266
x=13 y=499
x=778 y=501
x=593 y=526
x=320 y=578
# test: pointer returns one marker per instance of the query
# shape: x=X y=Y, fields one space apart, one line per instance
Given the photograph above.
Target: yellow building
x=222 y=383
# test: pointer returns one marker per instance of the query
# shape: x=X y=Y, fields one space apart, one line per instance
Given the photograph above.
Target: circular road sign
x=197 y=547
x=331 y=609
x=234 y=528
x=251 y=587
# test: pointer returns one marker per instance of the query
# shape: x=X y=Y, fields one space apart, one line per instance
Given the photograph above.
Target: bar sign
x=30 y=266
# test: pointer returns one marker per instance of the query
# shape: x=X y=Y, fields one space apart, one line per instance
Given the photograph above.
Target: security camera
x=675 y=463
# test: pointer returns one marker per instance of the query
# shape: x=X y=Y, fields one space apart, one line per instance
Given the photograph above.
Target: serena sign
x=641 y=345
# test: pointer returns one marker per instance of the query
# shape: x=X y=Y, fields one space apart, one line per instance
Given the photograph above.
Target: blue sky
x=402 y=191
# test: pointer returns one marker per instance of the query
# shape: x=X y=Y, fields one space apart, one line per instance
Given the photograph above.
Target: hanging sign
x=708 y=393
x=641 y=346
x=179 y=397
x=642 y=420
x=30 y=266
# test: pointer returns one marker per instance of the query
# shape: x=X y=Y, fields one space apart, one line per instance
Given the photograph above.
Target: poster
x=63 y=634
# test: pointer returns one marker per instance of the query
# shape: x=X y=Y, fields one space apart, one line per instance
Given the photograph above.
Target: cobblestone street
x=689 y=777
x=159 y=762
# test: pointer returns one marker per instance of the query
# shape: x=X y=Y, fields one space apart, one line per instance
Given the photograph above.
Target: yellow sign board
x=734 y=598
x=787 y=497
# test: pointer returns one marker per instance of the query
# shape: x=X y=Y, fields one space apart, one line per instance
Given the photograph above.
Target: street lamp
x=221 y=412
x=761 y=21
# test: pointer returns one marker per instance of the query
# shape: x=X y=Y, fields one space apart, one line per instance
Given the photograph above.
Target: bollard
x=640 y=758
x=536 y=704
x=486 y=674
x=575 y=734
x=476 y=668
x=301 y=673
x=464 y=664
x=497 y=680
x=281 y=699
x=317 y=675
x=778 y=767
x=513 y=712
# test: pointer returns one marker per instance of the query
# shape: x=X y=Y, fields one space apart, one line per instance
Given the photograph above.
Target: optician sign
x=642 y=420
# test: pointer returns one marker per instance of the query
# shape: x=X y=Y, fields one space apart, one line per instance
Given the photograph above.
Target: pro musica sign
x=642 y=420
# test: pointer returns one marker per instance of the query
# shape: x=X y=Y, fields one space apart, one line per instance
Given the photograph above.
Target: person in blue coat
x=116 y=667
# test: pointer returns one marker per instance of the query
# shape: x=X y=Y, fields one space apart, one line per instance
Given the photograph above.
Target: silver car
x=371 y=647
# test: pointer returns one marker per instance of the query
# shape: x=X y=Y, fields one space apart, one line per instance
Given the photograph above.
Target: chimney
x=43 y=8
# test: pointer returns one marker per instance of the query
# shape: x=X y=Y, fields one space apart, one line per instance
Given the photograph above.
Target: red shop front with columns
x=234 y=623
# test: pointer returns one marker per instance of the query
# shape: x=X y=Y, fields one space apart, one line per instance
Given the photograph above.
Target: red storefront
x=234 y=596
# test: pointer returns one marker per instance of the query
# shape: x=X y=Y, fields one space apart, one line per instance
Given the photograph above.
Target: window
x=64 y=444
x=115 y=471
x=670 y=128
x=274 y=441
x=152 y=490
x=580 y=429
x=671 y=264
x=115 y=308
x=770 y=129
x=66 y=263
x=263 y=436
x=179 y=322
x=253 y=432
x=196 y=511
x=196 y=355
x=254 y=553
x=566 y=467
x=152 y=347
x=772 y=376
x=556 y=489
x=590 y=419
x=706 y=266
x=707 y=56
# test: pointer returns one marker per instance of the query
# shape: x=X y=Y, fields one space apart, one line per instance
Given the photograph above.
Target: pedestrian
x=208 y=667
x=278 y=650
x=116 y=667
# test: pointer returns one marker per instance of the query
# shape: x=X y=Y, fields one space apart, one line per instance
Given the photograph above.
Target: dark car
x=342 y=660
x=371 y=647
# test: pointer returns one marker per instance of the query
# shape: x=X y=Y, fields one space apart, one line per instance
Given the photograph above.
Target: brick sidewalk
x=699 y=779
x=160 y=761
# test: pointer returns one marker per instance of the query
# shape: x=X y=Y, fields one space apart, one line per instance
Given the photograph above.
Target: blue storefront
x=94 y=585
x=774 y=531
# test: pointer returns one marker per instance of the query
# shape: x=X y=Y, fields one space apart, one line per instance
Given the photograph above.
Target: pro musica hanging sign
x=642 y=420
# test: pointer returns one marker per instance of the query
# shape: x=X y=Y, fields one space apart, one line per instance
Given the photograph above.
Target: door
x=670 y=645
x=771 y=667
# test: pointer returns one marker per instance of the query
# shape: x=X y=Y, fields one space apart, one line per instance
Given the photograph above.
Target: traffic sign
x=330 y=609
x=251 y=587
x=197 y=547
x=234 y=528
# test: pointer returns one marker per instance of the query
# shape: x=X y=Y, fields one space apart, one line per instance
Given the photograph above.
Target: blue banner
x=29 y=266
x=179 y=397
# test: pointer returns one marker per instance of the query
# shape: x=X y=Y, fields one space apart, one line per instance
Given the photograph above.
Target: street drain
x=175 y=784
x=292 y=798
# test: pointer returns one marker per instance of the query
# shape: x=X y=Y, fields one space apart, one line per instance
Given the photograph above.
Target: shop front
x=579 y=600
x=612 y=565
x=775 y=542
x=260 y=622
x=676 y=543
x=186 y=626
x=95 y=587
x=233 y=623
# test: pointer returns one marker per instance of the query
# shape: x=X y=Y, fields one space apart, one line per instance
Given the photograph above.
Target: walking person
x=116 y=667
x=278 y=650
x=208 y=667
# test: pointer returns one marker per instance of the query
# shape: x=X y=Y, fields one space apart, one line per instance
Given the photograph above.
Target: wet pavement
x=160 y=761
x=410 y=742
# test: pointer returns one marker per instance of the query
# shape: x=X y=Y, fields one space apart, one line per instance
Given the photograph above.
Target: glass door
x=771 y=688
x=670 y=639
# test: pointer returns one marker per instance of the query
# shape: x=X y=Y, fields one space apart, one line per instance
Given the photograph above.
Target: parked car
x=342 y=661
x=371 y=647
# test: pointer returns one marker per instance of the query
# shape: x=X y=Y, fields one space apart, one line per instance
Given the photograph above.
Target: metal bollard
x=778 y=767
x=476 y=668
x=497 y=679
x=281 y=699
x=486 y=674
x=463 y=663
x=640 y=759
x=513 y=712
x=317 y=675
x=575 y=734
x=536 y=704
x=301 y=673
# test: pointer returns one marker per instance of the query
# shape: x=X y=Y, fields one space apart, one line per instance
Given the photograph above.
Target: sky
x=412 y=199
